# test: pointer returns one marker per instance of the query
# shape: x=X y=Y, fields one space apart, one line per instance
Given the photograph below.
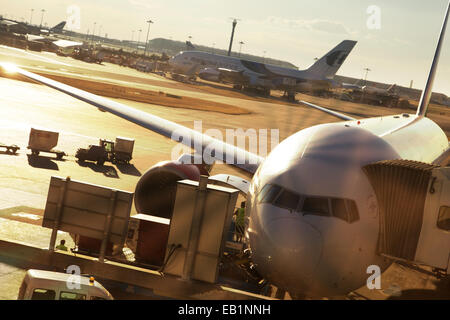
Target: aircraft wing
x=201 y=143
x=333 y=113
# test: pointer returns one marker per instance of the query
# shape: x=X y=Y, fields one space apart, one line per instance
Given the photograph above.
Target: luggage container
x=44 y=141
x=123 y=150
x=147 y=238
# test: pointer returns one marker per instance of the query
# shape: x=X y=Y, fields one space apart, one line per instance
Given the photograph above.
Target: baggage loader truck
x=120 y=151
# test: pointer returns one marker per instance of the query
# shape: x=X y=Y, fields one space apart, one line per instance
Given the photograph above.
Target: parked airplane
x=24 y=28
x=313 y=213
x=246 y=73
x=375 y=90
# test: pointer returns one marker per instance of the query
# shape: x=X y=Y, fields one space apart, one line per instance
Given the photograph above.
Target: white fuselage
x=307 y=253
x=188 y=61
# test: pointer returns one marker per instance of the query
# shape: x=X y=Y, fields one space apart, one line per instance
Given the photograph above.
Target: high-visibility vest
x=240 y=217
x=61 y=247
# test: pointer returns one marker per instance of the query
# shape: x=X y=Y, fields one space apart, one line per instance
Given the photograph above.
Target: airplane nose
x=297 y=246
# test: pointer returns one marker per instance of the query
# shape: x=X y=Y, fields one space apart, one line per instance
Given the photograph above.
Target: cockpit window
x=343 y=209
x=263 y=192
x=271 y=194
x=288 y=200
x=316 y=206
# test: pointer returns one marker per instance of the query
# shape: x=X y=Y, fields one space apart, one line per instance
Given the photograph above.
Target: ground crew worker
x=240 y=222
x=61 y=246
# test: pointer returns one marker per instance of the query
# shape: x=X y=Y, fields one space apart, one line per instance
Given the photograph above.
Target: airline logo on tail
x=59 y=26
x=337 y=58
x=329 y=64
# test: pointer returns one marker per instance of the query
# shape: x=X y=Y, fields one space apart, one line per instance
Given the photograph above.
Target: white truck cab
x=49 y=285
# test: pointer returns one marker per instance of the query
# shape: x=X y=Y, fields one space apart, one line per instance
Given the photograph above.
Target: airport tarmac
x=24 y=179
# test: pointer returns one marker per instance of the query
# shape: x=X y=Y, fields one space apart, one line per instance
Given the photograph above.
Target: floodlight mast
x=232 y=34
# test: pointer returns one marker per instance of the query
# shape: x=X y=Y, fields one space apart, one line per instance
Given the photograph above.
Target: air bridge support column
x=195 y=228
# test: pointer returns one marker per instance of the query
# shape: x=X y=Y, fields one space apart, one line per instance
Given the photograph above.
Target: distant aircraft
x=375 y=90
x=313 y=214
x=246 y=73
x=24 y=28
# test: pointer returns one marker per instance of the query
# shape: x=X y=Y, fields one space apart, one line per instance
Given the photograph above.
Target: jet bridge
x=414 y=208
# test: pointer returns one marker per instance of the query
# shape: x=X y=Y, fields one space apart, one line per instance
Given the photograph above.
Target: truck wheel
x=59 y=156
x=35 y=152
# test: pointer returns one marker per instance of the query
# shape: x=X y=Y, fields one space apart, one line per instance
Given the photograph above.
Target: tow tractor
x=119 y=151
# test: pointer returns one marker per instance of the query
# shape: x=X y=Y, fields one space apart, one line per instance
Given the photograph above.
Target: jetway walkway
x=414 y=208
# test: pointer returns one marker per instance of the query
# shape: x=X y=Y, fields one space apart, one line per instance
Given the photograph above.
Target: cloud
x=142 y=3
x=319 y=25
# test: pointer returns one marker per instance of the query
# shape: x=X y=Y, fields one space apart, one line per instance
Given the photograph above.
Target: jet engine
x=155 y=191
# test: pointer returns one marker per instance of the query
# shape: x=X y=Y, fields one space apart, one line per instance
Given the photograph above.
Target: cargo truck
x=119 y=151
x=44 y=141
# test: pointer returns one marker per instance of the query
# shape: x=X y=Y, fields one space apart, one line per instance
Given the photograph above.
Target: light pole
x=365 y=77
x=139 y=39
x=232 y=34
x=264 y=56
x=240 y=47
x=100 y=31
x=188 y=43
x=93 y=32
x=31 y=17
x=42 y=17
x=146 y=40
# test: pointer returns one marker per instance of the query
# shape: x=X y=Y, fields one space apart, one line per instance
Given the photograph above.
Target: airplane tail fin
x=59 y=27
x=428 y=90
x=392 y=88
x=327 y=66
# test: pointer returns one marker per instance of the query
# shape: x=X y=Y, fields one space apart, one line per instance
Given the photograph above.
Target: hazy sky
x=293 y=30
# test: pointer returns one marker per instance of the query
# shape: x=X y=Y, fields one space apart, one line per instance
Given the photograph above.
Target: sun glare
x=8 y=67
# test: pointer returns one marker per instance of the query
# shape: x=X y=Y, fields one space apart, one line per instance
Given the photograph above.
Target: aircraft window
x=288 y=200
x=339 y=209
x=352 y=210
x=345 y=210
x=263 y=192
x=444 y=218
x=316 y=206
x=271 y=194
